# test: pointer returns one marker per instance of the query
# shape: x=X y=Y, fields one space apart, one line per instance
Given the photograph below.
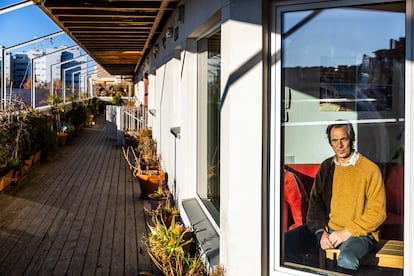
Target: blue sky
x=339 y=30
x=26 y=24
x=340 y=36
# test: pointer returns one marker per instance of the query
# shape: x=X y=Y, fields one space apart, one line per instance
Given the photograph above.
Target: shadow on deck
x=78 y=214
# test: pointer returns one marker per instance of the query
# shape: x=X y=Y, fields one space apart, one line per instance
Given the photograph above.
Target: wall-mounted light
x=176 y=131
x=176 y=33
x=169 y=32
x=153 y=112
x=155 y=50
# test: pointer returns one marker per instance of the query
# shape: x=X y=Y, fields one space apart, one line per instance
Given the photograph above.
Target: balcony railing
x=124 y=118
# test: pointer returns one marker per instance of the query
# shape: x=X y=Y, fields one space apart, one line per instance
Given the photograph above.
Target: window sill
x=207 y=236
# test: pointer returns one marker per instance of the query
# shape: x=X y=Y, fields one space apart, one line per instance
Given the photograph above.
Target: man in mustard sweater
x=347 y=201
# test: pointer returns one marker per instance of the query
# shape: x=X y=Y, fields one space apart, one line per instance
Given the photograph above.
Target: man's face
x=341 y=143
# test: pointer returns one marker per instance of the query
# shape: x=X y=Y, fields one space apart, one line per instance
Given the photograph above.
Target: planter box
x=7 y=179
x=37 y=156
x=28 y=163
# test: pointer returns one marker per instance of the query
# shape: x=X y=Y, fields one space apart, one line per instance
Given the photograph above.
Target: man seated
x=346 y=204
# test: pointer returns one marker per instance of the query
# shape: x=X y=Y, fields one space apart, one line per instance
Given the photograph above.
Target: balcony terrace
x=78 y=214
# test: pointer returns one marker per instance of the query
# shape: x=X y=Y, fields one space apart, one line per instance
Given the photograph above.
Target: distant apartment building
x=47 y=65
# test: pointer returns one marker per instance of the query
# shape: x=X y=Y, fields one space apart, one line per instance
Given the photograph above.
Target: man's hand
x=325 y=242
x=338 y=237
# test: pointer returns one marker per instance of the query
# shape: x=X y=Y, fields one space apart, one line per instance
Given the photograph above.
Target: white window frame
x=275 y=203
x=207 y=33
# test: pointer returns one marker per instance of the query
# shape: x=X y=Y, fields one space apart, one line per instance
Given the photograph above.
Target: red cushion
x=307 y=169
x=293 y=201
x=394 y=187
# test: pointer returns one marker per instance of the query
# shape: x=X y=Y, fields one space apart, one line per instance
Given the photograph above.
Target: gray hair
x=341 y=123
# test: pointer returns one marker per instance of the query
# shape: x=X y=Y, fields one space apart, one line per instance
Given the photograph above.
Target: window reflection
x=209 y=104
x=337 y=65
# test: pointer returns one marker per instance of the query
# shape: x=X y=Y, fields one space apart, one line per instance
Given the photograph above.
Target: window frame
x=215 y=221
x=274 y=222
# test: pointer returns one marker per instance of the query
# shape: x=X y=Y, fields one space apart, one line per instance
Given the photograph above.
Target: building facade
x=245 y=89
x=47 y=65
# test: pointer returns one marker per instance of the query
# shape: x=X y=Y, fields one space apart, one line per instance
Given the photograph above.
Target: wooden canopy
x=115 y=33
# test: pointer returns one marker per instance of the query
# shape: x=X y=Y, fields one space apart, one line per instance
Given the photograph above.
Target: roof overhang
x=117 y=34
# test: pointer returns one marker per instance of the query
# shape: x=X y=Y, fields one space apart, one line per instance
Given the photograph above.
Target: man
x=347 y=200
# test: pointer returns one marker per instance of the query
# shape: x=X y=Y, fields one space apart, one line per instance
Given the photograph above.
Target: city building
x=48 y=64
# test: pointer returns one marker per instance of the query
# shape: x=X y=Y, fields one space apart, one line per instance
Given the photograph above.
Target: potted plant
x=16 y=148
x=7 y=172
x=43 y=139
x=147 y=147
x=160 y=197
x=57 y=107
x=49 y=139
x=91 y=111
x=149 y=179
x=78 y=116
x=173 y=249
x=165 y=212
x=117 y=100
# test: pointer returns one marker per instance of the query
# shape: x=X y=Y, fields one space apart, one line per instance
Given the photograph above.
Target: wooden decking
x=77 y=214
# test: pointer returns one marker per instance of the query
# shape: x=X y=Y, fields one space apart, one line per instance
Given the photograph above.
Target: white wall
x=241 y=132
x=174 y=88
x=173 y=93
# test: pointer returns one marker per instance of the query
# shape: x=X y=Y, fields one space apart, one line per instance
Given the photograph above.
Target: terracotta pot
x=149 y=182
x=156 y=201
x=62 y=137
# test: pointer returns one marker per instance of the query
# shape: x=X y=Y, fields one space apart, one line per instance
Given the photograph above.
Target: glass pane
x=209 y=123
x=337 y=67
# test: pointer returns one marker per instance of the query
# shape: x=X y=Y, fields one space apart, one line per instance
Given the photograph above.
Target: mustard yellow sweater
x=358 y=198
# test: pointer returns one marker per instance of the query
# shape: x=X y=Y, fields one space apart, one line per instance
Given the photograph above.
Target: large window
x=209 y=104
x=339 y=60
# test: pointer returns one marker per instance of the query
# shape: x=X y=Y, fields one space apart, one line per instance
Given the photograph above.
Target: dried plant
x=15 y=134
x=135 y=164
x=163 y=213
x=218 y=271
x=172 y=249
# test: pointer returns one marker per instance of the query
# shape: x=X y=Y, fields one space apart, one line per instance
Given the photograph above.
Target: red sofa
x=393 y=174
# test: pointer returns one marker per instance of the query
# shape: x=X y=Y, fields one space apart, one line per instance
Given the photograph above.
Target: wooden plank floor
x=78 y=214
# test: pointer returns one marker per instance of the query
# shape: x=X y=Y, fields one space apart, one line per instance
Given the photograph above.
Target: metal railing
x=120 y=119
